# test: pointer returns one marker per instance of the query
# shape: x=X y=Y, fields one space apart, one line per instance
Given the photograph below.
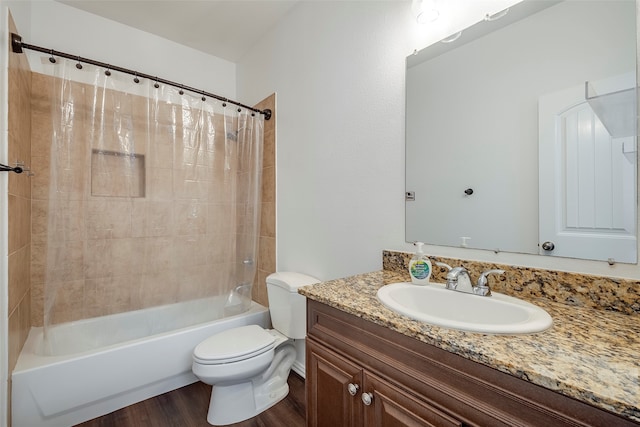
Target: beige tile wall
x=164 y=247
x=19 y=205
x=267 y=242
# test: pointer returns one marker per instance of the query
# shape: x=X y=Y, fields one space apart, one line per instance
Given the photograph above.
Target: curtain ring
x=51 y=58
x=156 y=85
x=107 y=72
x=136 y=79
x=79 y=65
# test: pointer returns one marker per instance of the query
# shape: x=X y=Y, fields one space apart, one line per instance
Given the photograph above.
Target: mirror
x=506 y=147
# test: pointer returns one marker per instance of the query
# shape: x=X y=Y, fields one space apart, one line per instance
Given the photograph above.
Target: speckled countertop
x=591 y=355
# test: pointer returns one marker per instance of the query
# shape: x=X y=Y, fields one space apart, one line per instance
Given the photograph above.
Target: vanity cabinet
x=329 y=400
x=343 y=396
x=406 y=382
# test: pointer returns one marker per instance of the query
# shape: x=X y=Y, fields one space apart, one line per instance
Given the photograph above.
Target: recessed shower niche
x=117 y=174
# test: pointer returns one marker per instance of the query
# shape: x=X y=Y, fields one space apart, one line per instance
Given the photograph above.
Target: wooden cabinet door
x=328 y=376
x=392 y=407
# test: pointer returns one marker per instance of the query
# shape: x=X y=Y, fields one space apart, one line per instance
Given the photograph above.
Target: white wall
x=338 y=69
x=64 y=28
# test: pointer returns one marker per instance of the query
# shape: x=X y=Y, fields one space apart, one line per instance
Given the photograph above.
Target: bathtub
x=82 y=377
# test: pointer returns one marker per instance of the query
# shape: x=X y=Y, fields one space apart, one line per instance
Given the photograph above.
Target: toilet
x=248 y=366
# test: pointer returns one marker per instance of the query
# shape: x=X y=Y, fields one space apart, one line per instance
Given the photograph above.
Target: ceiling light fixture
x=427 y=16
x=425 y=11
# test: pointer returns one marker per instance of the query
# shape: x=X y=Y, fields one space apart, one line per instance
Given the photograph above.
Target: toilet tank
x=287 y=307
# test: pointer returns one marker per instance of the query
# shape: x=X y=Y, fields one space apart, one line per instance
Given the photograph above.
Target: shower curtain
x=153 y=199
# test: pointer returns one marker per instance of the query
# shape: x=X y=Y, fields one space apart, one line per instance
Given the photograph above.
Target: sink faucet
x=459 y=276
x=458 y=279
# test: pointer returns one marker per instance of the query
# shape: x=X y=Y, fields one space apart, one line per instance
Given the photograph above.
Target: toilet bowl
x=248 y=366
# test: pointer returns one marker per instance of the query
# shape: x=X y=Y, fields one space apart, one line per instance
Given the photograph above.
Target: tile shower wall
x=267 y=242
x=88 y=290
x=19 y=122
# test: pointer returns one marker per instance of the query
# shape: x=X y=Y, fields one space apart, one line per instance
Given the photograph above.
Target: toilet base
x=235 y=402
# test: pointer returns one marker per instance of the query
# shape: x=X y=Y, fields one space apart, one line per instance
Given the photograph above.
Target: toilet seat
x=234 y=345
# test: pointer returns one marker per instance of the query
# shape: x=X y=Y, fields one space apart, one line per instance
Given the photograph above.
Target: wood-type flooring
x=187 y=407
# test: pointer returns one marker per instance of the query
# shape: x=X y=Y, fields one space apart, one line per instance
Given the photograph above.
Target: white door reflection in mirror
x=587 y=180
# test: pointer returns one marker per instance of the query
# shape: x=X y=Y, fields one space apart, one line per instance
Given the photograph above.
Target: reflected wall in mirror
x=474 y=135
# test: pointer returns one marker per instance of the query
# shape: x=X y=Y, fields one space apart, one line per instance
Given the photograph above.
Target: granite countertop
x=591 y=355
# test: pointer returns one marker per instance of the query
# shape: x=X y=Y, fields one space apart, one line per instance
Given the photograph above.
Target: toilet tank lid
x=290 y=280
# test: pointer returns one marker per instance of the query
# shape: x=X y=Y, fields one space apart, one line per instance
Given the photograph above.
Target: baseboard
x=298 y=368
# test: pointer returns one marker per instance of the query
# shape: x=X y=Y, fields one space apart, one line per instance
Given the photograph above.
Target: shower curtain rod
x=18 y=45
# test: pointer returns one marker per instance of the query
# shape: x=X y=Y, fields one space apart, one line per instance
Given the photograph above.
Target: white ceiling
x=223 y=28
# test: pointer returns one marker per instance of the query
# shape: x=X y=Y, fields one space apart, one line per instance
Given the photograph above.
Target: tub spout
x=238 y=300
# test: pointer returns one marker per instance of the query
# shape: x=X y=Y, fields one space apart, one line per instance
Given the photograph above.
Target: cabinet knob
x=353 y=389
x=367 y=398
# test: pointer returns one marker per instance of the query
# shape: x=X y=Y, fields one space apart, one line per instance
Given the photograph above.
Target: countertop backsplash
x=575 y=289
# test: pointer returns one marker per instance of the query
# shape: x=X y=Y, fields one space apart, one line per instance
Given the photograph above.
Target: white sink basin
x=496 y=314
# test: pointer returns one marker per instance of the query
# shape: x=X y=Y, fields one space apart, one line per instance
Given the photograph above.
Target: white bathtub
x=78 y=382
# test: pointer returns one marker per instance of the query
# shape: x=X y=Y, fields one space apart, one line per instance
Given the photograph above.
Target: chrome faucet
x=459 y=276
x=458 y=279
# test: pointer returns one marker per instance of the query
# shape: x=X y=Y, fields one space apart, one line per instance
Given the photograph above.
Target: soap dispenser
x=420 y=266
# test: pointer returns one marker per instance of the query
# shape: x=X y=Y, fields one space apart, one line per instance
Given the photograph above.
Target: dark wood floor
x=187 y=407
